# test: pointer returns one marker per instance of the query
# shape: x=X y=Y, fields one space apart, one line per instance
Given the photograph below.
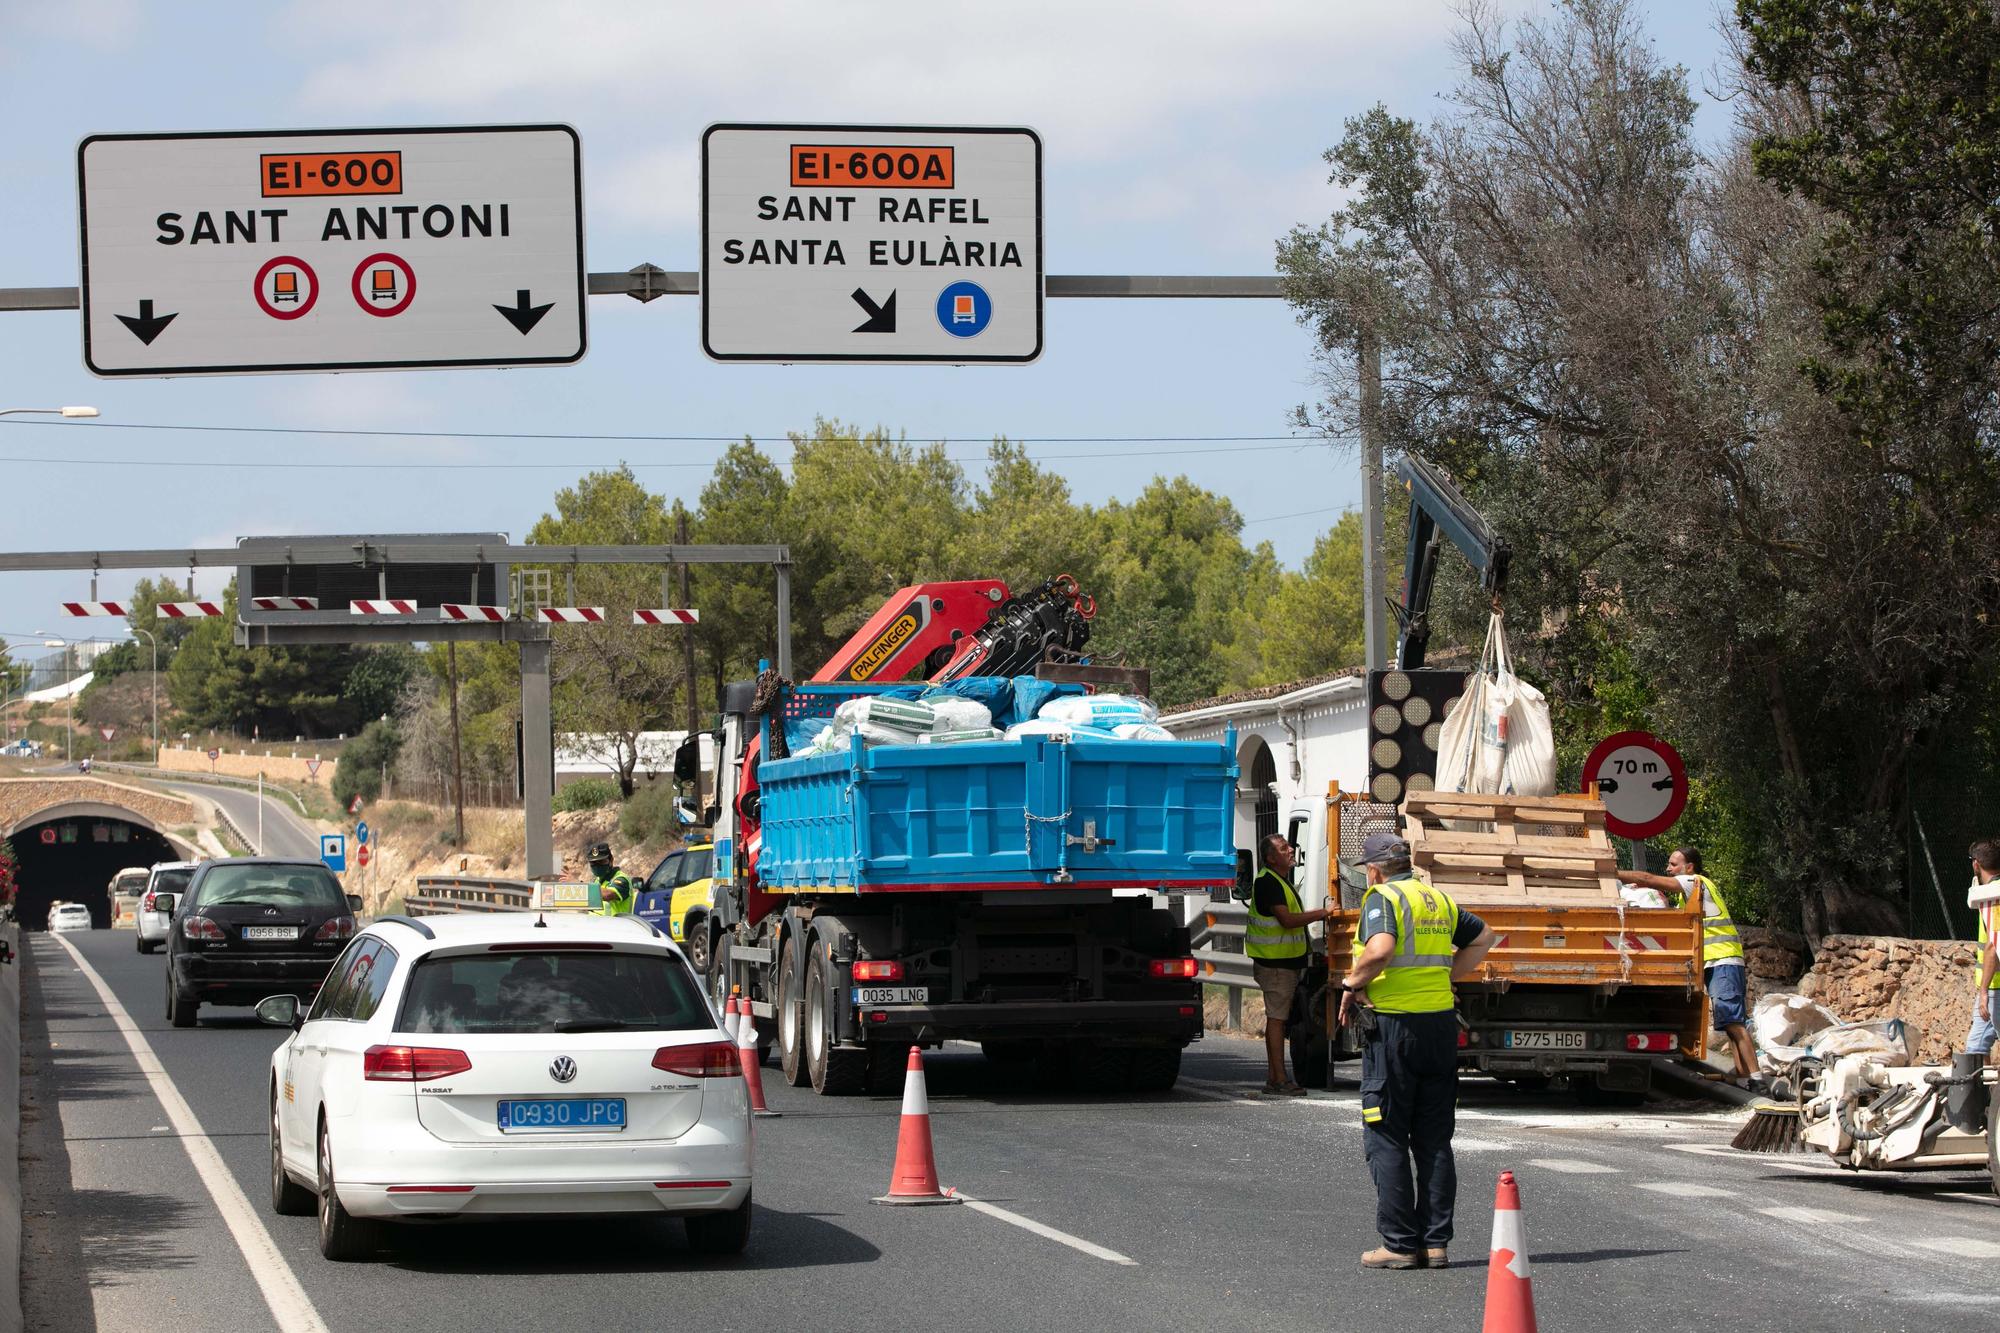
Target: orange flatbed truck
x=1580 y=985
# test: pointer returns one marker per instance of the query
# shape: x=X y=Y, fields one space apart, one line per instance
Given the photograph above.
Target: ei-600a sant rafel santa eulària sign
x=889 y=243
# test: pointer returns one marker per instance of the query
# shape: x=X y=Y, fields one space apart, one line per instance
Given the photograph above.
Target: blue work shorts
x=1725 y=995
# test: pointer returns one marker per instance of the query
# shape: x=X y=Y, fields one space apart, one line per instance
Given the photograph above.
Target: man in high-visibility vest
x=1722 y=971
x=617 y=894
x=1275 y=939
x=1985 y=869
x=1412 y=941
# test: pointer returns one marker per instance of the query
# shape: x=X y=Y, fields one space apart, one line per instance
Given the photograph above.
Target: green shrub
x=649 y=815
x=587 y=794
x=359 y=770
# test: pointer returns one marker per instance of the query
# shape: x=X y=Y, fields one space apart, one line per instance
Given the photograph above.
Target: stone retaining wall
x=22 y=798
x=1929 y=984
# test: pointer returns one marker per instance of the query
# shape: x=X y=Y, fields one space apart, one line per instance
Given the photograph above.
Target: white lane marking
x=1575 y=1166
x=1459 y=1144
x=1046 y=1232
x=1961 y=1246
x=1680 y=1190
x=1810 y=1166
x=1816 y=1217
x=290 y=1306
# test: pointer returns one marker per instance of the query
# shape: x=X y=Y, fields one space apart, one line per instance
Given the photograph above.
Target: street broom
x=1773 y=1127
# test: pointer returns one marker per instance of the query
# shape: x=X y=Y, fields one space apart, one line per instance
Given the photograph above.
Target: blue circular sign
x=361 y=832
x=964 y=309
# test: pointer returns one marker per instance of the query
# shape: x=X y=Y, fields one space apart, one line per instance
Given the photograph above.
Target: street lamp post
x=69 y=695
x=154 y=691
x=48 y=411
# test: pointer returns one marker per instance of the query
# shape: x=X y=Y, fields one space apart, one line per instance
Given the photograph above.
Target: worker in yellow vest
x=1985 y=869
x=1722 y=971
x=617 y=892
x=1411 y=942
x=1275 y=938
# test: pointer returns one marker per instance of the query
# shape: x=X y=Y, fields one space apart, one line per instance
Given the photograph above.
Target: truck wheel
x=1993 y=1142
x=835 y=1072
x=1310 y=1064
x=1100 y=1069
x=791 y=1049
x=1155 y=1070
x=718 y=976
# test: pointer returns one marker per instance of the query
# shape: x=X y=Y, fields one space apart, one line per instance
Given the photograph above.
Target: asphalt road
x=1231 y=1211
x=285 y=834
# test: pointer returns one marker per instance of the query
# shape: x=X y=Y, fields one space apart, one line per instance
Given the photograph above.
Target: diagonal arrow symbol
x=881 y=318
x=522 y=315
x=145 y=325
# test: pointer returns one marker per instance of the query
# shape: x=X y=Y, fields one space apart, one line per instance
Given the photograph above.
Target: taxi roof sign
x=871 y=243
x=565 y=896
x=245 y=252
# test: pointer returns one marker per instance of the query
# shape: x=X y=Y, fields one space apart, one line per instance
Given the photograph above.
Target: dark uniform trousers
x=1409 y=1073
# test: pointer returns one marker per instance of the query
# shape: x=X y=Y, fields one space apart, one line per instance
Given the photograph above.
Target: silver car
x=169 y=880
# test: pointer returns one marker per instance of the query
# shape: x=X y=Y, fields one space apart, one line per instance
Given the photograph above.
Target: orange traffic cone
x=746 y=1052
x=916 y=1179
x=1510 y=1296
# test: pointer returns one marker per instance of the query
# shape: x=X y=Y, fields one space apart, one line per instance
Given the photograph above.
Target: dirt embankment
x=413 y=839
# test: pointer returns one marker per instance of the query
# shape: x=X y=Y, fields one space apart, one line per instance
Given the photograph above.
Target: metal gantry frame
x=537 y=738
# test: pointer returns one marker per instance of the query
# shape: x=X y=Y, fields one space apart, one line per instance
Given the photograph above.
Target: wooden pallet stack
x=1548 y=850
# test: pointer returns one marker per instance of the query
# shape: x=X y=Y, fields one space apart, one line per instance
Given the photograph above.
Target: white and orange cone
x=746 y=1052
x=729 y=1020
x=915 y=1179
x=1510 y=1296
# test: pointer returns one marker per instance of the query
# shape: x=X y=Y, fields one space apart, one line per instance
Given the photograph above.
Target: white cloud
x=1095 y=77
x=106 y=25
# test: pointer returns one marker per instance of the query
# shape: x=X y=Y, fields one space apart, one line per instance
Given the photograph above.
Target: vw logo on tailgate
x=562 y=1069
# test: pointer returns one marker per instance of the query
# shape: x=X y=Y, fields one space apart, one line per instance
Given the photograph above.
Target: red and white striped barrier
x=665 y=615
x=285 y=603
x=572 y=615
x=394 y=606
x=186 y=610
x=1633 y=943
x=94 y=608
x=466 y=611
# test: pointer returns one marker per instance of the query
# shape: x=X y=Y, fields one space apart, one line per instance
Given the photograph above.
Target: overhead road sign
x=186 y=610
x=572 y=615
x=94 y=608
x=878 y=243
x=464 y=611
x=1641 y=780
x=312 y=250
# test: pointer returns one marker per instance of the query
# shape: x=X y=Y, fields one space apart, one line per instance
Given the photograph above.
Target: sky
x=1179 y=137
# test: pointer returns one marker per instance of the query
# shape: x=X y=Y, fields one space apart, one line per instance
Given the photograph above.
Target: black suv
x=250 y=927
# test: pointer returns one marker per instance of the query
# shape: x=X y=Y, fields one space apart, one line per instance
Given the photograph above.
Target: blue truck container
x=1003 y=814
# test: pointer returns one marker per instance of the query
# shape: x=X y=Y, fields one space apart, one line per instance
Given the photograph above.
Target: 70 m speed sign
x=1642 y=781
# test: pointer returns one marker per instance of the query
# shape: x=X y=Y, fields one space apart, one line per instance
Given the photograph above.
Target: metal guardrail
x=1219 y=923
x=438 y=895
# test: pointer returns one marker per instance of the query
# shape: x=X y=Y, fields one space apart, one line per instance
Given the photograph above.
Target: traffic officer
x=617 y=893
x=1410 y=943
x=1275 y=939
x=1722 y=970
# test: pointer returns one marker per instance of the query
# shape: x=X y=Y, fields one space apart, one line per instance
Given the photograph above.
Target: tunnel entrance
x=72 y=859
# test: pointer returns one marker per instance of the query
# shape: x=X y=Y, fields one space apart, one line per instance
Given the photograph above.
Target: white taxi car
x=508 y=1064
